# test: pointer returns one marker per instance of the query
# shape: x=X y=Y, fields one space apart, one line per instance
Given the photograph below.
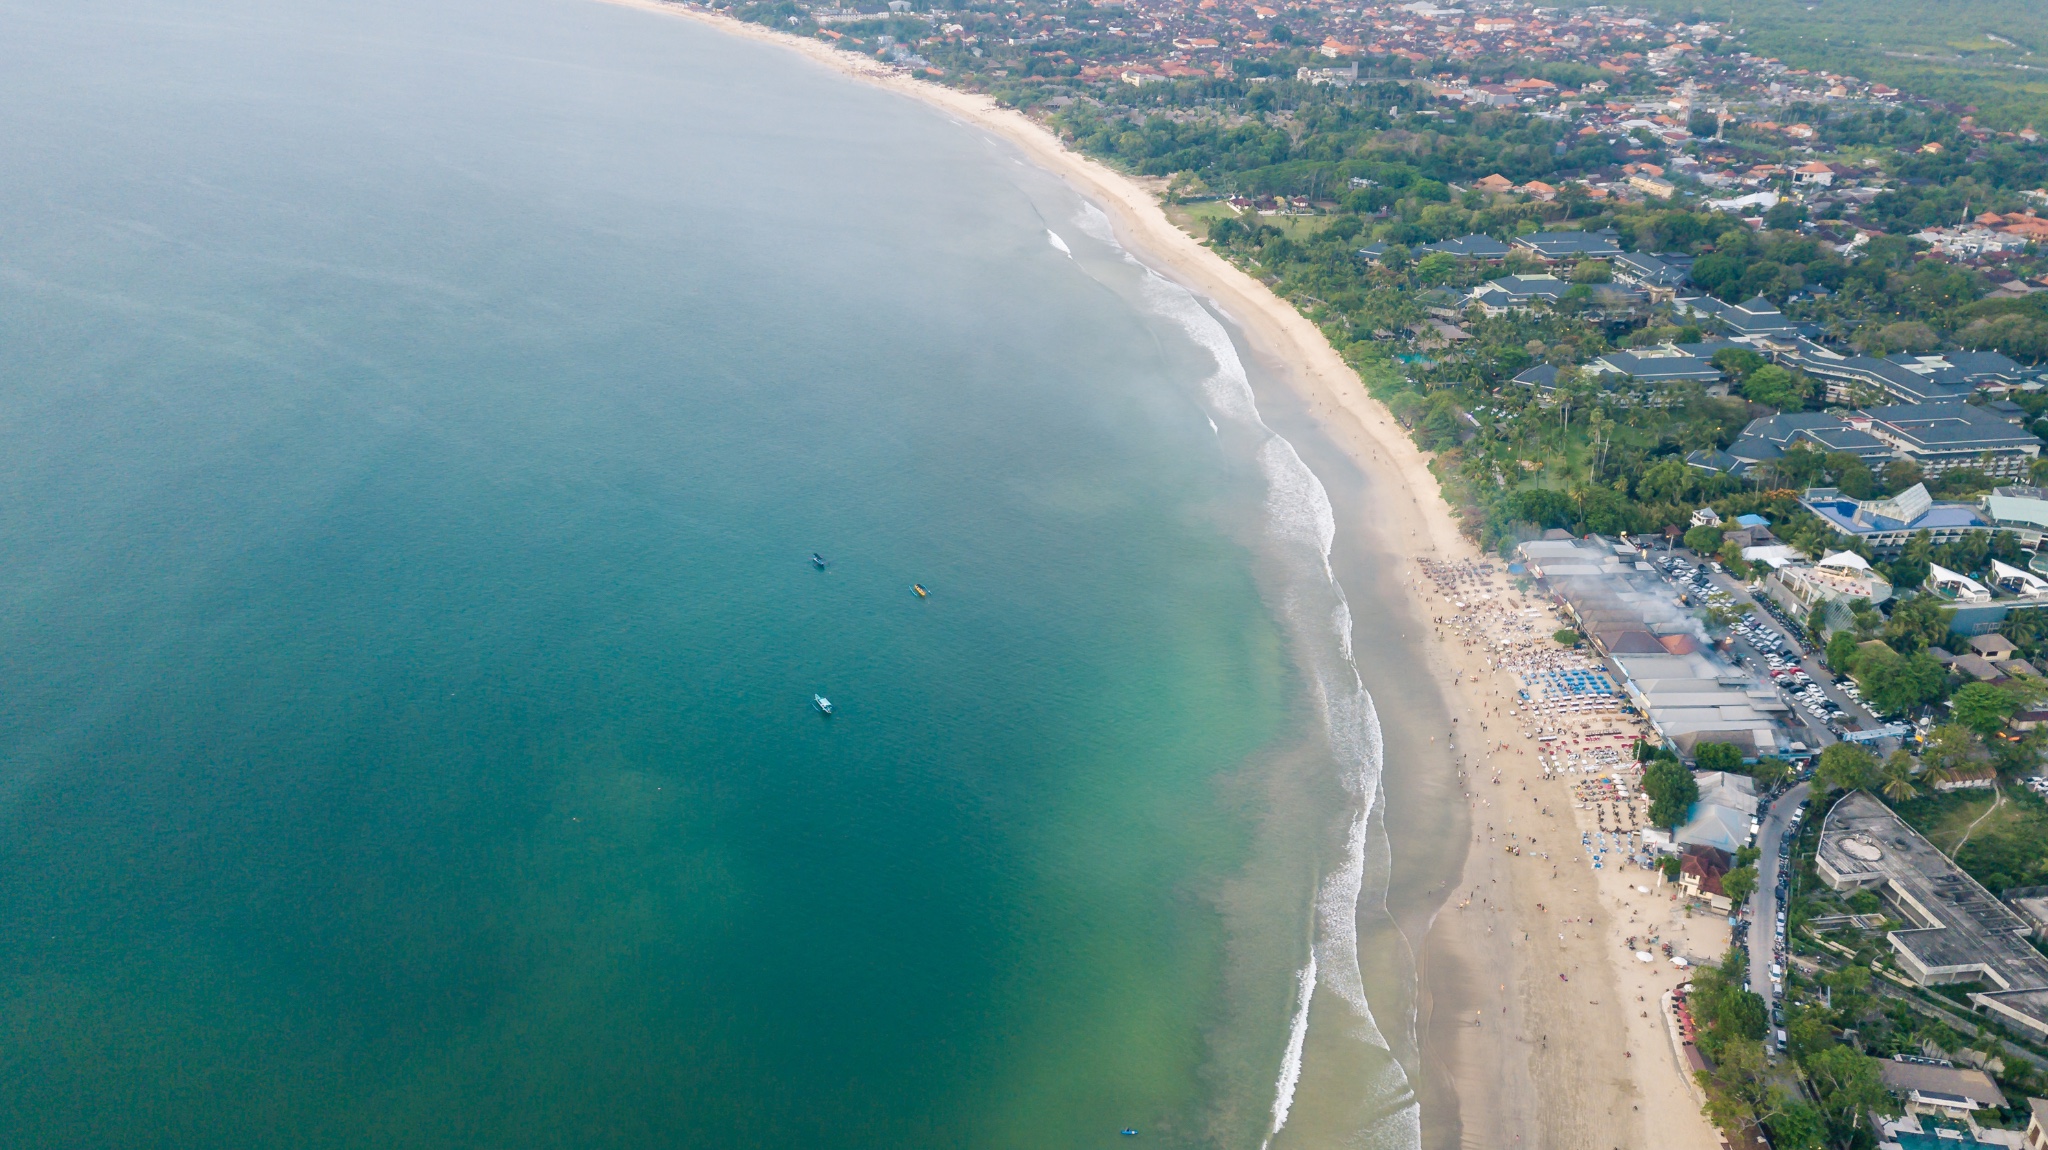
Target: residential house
x=1700 y=871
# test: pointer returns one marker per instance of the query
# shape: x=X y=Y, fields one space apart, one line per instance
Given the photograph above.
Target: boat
x=921 y=592
x=823 y=704
x=817 y=561
x=1128 y=1132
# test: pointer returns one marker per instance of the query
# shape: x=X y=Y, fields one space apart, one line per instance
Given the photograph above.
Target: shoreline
x=1520 y=1061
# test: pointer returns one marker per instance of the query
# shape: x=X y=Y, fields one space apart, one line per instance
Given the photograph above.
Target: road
x=1763 y=928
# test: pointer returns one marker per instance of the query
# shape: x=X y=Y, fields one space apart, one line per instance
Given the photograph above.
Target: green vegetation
x=1672 y=792
x=2003 y=835
x=1943 y=53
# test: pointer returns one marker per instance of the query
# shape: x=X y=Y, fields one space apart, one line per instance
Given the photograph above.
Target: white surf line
x=1290 y=1062
x=1059 y=243
x=1298 y=512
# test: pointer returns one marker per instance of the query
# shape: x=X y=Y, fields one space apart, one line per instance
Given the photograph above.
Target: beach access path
x=1544 y=1025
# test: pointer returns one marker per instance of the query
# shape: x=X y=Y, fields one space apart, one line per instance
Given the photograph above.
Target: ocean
x=417 y=423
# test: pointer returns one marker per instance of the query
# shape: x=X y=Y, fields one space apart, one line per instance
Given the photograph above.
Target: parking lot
x=1827 y=706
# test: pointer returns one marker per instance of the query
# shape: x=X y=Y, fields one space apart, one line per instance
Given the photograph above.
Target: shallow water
x=417 y=421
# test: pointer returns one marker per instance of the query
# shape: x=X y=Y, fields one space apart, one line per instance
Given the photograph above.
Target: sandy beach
x=1541 y=1024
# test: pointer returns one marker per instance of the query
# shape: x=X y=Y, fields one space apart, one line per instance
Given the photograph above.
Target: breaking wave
x=1303 y=527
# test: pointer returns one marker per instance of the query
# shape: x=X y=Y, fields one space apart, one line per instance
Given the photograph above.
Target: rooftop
x=1962 y=932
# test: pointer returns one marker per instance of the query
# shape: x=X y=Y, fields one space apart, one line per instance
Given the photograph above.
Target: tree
x=1846 y=767
x=1846 y=1084
x=1982 y=707
x=1950 y=748
x=1566 y=637
x=1898 y=475
x=1898 y=777
x=1773 y=386
x=1737 y=362
x=1896 y=686
x=1665 y=482
x=1592 y=272
x=1919 y=623
x=1703 y=539
x=1672 y=792
x=1717 y=756
x=1841 y=655
x=1770 y=771
x=1739 y=884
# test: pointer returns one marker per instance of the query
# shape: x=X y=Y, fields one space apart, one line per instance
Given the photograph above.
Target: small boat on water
x=817 y=561
x=921 y=592
x=823 y=704
x=1128 y=1132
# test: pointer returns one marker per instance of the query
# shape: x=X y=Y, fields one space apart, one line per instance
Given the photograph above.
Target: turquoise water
x=416 y=421
x=415 y=424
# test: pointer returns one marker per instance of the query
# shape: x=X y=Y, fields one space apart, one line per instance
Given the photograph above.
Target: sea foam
x=1304 y=527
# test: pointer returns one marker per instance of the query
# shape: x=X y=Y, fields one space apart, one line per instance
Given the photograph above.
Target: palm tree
x=1898 y=777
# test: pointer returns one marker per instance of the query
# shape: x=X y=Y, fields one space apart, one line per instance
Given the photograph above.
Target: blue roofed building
x=1886 y=524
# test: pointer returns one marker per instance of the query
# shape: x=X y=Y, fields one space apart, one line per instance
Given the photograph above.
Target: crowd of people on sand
x=1557 y=710
x=1563 y=704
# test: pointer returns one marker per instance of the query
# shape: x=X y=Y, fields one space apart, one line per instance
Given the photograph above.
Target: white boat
x=823 y=704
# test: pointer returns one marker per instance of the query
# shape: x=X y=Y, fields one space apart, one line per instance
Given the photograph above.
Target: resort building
x=1667 y=363
x=1949 y=378
x=1755 y=319
x=1769 y=437
x=1931 y=1087
x=1886 y=524
x=1516 y=293
x=1839 y=578
x=2020 y=510
x=1472 y=247
x=1954 y=587
x=1960 y=932
x=1652 y=272
x=1943 y=436
x=1551 y=247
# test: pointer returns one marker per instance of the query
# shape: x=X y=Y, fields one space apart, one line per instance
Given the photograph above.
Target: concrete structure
x=1886 y=524
x=1960 y=932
